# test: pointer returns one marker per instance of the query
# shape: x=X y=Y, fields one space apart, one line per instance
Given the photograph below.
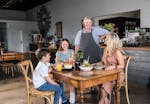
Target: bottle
x=1 y=51
x=126 y=33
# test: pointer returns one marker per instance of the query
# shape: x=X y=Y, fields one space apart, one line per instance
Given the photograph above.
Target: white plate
x=67 y=66
x=99 y=67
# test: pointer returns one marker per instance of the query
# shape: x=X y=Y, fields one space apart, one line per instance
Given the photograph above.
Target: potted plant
x=78 y=59
x=108 y=26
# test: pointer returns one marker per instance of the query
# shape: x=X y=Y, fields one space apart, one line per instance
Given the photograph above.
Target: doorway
x=3 y=36
x=15 y=41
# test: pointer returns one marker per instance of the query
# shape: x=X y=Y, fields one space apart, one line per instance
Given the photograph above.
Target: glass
x=77 y=64
x=102 y=41
x=71 y=59
x=78 y=59
x=59 y=67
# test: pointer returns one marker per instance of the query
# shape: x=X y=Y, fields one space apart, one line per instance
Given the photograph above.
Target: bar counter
x=137 y=48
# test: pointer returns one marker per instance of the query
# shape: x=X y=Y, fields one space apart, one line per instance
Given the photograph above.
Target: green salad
x=86 y=64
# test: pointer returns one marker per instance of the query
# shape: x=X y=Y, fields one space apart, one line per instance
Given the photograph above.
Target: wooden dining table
x=82 y=80
x=10 y=56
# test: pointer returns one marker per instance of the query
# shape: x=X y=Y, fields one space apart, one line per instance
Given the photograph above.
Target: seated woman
x=65 y=54
x=113 y=58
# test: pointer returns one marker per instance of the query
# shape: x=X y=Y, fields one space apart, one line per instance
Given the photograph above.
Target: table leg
x=117 y=96
x=81 y=93
x=81 y=97
x=117 y=93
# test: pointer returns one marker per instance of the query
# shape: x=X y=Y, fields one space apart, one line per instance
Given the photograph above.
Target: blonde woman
x=112 y=58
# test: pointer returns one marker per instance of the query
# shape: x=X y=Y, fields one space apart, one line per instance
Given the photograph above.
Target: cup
x=77 y=64
x=71 y=60
x=59 y=67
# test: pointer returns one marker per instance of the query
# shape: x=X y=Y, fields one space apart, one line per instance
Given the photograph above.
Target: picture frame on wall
x=36 y=38
x=59 y=29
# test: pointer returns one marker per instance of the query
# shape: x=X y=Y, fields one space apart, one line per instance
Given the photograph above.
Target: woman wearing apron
x=87 y=41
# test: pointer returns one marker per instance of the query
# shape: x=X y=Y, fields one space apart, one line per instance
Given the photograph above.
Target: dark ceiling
x=21 y=5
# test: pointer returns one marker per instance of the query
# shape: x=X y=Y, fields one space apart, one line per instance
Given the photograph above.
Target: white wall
x=12 y=15
x=19 y=34
x=70 y=12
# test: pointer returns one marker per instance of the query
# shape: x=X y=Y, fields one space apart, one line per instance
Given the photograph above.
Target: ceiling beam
x=9 y=3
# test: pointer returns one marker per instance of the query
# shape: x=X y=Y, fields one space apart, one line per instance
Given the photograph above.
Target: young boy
x=43 y=82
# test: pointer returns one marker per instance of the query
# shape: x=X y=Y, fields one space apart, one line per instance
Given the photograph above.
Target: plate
x=67 y=69
x=98 y=66
x=67 y=66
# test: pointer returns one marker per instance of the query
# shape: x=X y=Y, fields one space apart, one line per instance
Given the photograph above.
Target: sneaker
x=67 y=102
x=72 y=98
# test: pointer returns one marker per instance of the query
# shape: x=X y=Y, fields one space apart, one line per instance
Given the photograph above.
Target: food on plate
x=98 y=66
x=67 y=66
x=86 y=64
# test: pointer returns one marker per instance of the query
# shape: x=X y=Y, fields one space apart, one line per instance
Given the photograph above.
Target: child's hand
x=50 y=69
x=53 y=66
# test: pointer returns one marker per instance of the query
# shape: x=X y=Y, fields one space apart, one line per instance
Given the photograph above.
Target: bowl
x=67 y=66
x=99 y=67
x=86 y=68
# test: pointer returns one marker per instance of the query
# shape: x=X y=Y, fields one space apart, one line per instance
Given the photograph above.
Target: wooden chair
x=26 y=68
x=7 y=67
x=125 y=82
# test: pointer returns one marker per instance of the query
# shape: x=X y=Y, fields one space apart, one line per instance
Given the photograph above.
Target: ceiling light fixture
x=9 y=3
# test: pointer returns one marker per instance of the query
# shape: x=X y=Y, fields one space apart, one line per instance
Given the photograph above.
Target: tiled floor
x=12 y=91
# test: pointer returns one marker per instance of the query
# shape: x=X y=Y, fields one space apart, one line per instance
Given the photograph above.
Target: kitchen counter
x=137 y=48
x=142 y=48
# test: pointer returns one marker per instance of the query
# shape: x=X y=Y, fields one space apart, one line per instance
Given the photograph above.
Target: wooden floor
x=12 y=91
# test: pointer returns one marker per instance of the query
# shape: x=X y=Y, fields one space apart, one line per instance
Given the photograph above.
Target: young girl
x=64 y=54
x=43 y=82
x=113 y=58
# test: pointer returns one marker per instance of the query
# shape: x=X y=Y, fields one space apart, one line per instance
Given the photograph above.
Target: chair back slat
x=26 y=68
x=127 y=60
